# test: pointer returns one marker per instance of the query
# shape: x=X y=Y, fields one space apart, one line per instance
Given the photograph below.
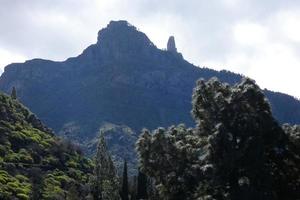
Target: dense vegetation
x=34 y=164
x=236 y=151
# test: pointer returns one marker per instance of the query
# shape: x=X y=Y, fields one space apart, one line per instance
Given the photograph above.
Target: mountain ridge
x=122 y=79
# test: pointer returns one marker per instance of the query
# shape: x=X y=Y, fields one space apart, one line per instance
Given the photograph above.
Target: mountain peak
x=115 y=26
x=120 y=23
x=122 y=37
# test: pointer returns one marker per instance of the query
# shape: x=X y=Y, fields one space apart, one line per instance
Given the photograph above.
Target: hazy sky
x=260 y=39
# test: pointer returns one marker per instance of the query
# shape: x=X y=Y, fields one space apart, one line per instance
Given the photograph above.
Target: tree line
x=237 y=150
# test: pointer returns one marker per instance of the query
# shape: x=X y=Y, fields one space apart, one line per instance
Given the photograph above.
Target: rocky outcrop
x=171 y=46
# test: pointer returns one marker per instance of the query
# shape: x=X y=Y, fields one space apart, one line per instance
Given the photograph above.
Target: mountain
x=123 y=79
x=35 y=164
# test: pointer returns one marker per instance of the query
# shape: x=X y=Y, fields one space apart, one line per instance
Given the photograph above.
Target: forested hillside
x=35 y=164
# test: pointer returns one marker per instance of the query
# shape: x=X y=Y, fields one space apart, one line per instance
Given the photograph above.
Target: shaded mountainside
x=123 y=79
x=119 y=138
x=284 y=107
x=34 y=164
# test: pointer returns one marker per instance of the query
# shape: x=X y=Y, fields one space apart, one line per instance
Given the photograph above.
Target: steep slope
x=122 y=79
x=34 y=164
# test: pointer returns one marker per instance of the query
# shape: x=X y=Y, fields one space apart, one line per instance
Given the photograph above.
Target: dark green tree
x=37 y=178
x=151 y=189
x=236 y=151
x=287 y=179
x=13 y=93
x=141 y=186
x=133 y=188
x=125 y=193
x=105 y=183
x=171 y=157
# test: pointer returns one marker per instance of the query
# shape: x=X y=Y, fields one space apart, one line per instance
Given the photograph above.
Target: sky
x=259 y=39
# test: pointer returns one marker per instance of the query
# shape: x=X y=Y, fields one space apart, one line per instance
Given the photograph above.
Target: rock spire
x=171 y=46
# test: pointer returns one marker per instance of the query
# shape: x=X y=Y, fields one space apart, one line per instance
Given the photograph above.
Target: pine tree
x=125 y=192
x=236 y=151
x=14 y=93
x=151 y=189
x=141 y=186
x=105 y=186
x=133 y=188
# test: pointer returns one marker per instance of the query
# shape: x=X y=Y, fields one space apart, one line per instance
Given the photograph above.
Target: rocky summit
x=124 y=80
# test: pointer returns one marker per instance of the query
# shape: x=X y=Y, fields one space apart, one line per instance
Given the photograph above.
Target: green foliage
x=141 y=186
x=105 y=183
x=236 y=151
x=10 y=186
x=125 y=192
x=52 y=187
x=59 y=185
x=172 y=158
x=34 y=164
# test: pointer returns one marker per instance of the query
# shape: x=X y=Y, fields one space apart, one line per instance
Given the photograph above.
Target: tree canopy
x=236 y=151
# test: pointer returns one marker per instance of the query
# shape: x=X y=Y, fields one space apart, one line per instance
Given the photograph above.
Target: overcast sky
x=260 y=39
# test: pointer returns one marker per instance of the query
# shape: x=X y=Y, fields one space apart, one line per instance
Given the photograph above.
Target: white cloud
x=233 y=4
x=262 y=51
x=7 y=57
x=275 y=66
x=250 y=34
x=289 y=24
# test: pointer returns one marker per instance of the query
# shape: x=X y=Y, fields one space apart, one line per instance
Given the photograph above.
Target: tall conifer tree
x=142 y=186
x=106 y=182
x=125 y=182
x=14 y=93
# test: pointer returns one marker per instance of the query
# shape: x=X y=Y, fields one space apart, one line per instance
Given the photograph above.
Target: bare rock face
x=171 y=46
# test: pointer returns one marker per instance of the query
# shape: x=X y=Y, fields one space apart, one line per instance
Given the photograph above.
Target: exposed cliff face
x=122 y=79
